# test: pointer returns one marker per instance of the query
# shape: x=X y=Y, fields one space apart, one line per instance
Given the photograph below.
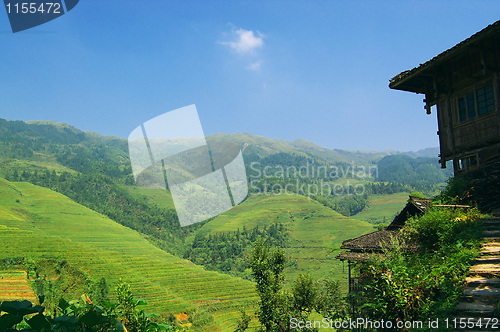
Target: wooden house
x=464 y=84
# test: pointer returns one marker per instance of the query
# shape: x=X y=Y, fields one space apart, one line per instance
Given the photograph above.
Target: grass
x=314 y=231
x=40 y=165
x=160 y=197
x=37 y=222
x=383 y=208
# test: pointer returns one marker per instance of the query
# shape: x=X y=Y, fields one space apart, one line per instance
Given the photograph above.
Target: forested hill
x=421 y=173
x=257 y=147
x=59 y=146
x=46 y=145
x=95 y=171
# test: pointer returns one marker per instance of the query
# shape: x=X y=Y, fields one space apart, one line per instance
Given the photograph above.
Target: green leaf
x=39 y=323
x=14 y=307
x=92 y=319
x=20 y=308
x=110 y=305
x=63 y=304
x=141 y=302
x=9 y=320
x=65 y=321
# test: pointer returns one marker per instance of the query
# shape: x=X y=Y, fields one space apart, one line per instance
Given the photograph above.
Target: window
x=485 y=100
x=481 y=100
x=468 y=162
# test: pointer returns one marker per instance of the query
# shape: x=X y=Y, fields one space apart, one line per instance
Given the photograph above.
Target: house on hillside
x=464 y=84
x=364 y=246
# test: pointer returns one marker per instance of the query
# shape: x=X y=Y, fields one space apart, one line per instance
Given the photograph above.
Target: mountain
x=422 y=173
x=46 y=146
x=39 y=140
x=428 y=152
x=260 y=146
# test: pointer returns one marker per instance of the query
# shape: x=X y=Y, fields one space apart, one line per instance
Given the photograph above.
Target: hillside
x=72 y=196
x=37 y=222
x=383 y=208
x=422 y=173
x=314 y=230
x=260 y=146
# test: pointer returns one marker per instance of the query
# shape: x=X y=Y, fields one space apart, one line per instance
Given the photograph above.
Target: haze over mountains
x=268 y=145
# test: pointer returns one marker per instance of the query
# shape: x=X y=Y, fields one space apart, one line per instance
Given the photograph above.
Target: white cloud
x=255 y=65
x=246 y=41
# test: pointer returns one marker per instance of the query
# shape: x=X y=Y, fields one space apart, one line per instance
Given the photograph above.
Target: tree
x=276 y=306
x=267 y=270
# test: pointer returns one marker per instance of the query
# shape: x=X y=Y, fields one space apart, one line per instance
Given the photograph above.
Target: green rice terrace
x=40 y=223
x=382 y=208
x=314 y=231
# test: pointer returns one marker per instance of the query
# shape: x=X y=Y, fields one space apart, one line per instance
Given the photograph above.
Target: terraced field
x=7 y=165
x=14 y=286
x=314 y=231
x=383 y=207
x=160 y=197
x=38 y=222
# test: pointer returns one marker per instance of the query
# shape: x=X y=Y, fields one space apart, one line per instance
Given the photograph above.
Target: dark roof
x=370 y=241
x=396 y=81
x=354 y=256
x=365 y=245
x=421 y=203
x=415 y=206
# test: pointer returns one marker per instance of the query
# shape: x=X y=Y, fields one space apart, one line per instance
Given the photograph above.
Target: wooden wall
x=465 y=74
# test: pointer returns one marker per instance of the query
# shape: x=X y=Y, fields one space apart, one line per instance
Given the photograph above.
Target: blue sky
x=317 y=70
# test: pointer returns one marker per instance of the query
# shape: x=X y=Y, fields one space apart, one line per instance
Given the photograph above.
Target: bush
x=456 y=191
x=80 y=316
x=442 y=227
x=427 y=281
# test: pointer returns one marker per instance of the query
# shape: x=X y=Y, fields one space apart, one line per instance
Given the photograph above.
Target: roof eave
x=408 y=75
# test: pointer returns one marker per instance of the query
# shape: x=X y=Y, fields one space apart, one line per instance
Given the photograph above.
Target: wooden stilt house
x=464 y=84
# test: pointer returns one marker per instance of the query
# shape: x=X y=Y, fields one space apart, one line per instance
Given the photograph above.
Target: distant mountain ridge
x=427 y=152
x=304 y=147
x=35 y=137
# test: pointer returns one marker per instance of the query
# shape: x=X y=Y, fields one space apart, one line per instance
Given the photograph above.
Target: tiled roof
x=364 y=245
x=354 y=256
x=421 y=203
x=371 y=241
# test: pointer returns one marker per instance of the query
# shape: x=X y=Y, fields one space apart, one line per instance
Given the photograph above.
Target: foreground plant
x=83 y=315
x=427 y=280
x=278 y=307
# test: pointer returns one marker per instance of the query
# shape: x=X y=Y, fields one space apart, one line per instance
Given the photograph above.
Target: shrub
x=79 y=316
x=425 y=282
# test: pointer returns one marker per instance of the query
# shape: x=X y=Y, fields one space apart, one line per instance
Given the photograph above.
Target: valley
x=68 y=197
